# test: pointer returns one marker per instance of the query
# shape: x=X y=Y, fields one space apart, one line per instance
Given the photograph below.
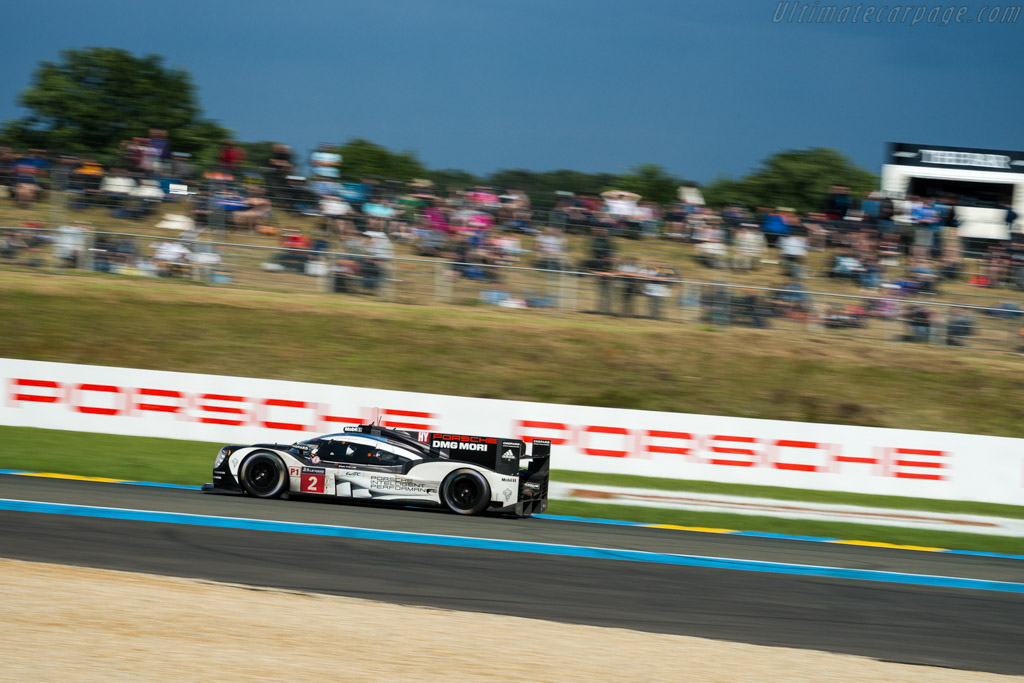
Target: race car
x=467 y=474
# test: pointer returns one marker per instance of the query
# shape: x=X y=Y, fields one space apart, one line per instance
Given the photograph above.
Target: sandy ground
x=68 y=623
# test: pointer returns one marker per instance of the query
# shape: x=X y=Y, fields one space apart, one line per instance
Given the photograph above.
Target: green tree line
x=91 y=99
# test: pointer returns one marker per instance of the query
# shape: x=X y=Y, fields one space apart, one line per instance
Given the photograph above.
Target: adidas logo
x=508 y=455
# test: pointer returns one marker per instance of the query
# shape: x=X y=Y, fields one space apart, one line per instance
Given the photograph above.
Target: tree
x=364 y=159
x=94 y=98
x=795 y=178
x=650 y=181
x=447 y=179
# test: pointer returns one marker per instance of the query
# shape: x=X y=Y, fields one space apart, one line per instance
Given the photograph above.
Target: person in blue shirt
x=774 y=226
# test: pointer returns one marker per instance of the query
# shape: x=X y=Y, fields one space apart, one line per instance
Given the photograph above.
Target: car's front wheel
x=465 y=492
x=263 y=475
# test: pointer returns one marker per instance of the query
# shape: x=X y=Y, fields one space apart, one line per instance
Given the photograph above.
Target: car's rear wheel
x=465 y=492
x=263 y=475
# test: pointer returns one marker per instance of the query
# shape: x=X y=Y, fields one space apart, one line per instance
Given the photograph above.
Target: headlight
x=223 y=453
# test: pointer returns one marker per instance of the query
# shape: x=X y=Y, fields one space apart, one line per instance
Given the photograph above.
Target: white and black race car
x=466 y=474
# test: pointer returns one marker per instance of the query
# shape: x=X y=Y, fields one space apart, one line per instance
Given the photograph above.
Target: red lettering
x=797 y=466
x=160 y=407
x=652 y=434
x=227 y=410
x=282 y=403
x=878 y=460
x=100 y=389
x=899 y=463
x=604 y=452
x=729 y=450
x=396 y=424
x=522 y=425
x=35 y=384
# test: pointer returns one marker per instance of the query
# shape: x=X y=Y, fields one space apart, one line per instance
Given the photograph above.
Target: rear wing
x=501 y=455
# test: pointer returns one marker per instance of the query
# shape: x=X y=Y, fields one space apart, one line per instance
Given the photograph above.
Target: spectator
x=334 y=210
x=711 y=251
x=324 y=162
x=657 y=286
x=959 y=325
x=84 y=184
x=257 y=210
x=116 y=189
x=181 y=166
x=12 y=244
x=29 y=170
x=676 y=215
x=295 y=248
x=602 y=251
x=171 y=258
x=231 y=157
x=838 y=202
x=631 y=283
x=146 y=195
x=793 y=248
x=552 y=249
x=749 y=246
x=926 y=220
x=845 y=265
x=7 y=182
x=160 y=149
x=775 y=226
x=817 y=231
x=919 y=324
x=71 y=244
x=794 y=301
x=924 y=275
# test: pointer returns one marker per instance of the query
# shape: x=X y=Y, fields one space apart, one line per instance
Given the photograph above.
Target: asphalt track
x=959 y=628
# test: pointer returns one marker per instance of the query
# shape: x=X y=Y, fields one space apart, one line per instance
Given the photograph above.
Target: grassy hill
x=511 y=354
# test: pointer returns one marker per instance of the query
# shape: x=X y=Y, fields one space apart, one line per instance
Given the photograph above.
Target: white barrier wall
x=675 y=445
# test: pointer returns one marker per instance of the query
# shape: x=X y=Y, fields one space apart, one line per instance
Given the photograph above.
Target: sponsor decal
x=531 y=485
x=423 y=437
x=508 y=455
x=458 y=445
x=312 y=480
x=395 y=484
x=507 y=493
x=934 y=156
x=315 y=459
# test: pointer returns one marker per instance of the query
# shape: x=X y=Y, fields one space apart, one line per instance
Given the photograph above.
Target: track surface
x=966 y=629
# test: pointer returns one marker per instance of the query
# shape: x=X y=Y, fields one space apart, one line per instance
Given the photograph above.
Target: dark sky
x=703 y=87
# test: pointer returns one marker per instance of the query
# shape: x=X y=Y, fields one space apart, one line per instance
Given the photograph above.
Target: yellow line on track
x=55 y=475
x=877 y=544
x=706 y=530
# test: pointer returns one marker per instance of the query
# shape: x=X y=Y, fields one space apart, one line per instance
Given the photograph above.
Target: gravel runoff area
x=71 y=623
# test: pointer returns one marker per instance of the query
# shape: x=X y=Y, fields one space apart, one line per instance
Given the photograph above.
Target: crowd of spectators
x=904 y=250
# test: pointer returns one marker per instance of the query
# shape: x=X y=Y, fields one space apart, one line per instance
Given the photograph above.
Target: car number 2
x=312 y=483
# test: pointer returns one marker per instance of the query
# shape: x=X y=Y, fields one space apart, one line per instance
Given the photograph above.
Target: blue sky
x=703 y=88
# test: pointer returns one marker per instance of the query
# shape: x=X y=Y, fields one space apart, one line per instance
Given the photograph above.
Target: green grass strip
x=963 y=507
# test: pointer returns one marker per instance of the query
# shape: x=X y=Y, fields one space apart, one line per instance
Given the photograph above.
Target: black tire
x=465 y=492
x=263 y=475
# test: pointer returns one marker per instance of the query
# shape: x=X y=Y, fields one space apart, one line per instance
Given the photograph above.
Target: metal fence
x=712 y=305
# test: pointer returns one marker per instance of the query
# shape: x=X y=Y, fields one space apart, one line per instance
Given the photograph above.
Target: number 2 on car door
x=312 y=483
